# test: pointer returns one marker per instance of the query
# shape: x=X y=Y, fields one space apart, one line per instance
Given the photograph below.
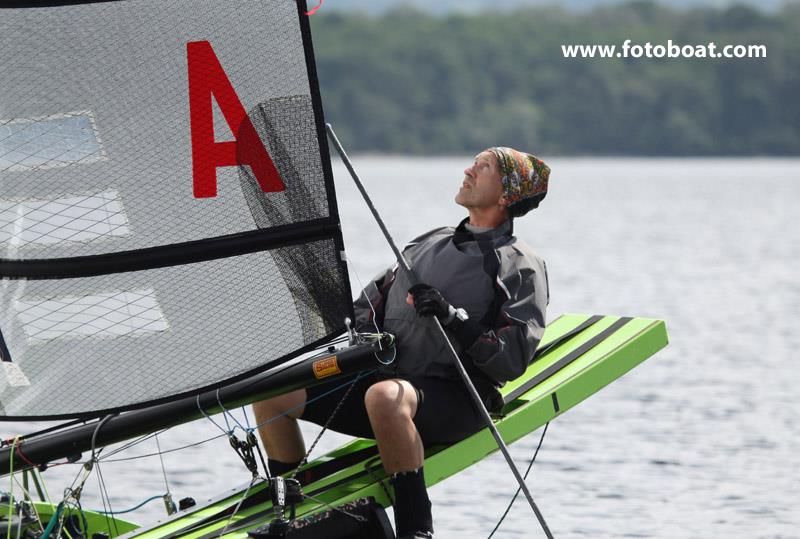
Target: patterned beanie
x=524 y=179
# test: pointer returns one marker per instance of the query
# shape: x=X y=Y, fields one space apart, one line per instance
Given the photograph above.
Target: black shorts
x=445 y=411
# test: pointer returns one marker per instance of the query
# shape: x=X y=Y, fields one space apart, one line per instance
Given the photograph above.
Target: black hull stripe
x=592 y=320
x=566 y=360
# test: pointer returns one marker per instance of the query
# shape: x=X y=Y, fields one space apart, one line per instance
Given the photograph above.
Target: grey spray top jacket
x=494 y=276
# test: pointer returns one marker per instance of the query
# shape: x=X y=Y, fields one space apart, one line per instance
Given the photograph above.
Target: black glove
x=428 y=301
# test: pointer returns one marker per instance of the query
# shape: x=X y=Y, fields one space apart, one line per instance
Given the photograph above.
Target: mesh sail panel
x=167 y=215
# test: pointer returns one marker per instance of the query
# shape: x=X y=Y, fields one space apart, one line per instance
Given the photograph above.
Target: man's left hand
x=428 y=301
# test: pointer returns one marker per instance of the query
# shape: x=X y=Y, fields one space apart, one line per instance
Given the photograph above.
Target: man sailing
x=488 y=289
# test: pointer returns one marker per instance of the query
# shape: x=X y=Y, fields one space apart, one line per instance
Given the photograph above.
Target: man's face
x=482 y=186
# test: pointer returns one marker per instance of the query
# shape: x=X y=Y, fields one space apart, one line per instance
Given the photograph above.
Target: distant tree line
x=407 y=82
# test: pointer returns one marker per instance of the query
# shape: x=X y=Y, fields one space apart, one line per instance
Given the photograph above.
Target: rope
x=226 y=413
x=26 y=492
x=209 y=417
x=37 y=476
x=315 y=8
x=106 y=501
x=238 y=506
x=180 y=448
x=148 y=500
x=163 y=468
x=145 y=437
x=327 y=423
x=20 y=454
x=370 y=467
x=11 y=489
x=134 y=443
x=187 y=446
x=530 y=465
x=53 y=520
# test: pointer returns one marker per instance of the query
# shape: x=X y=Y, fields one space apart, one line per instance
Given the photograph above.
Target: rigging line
x=11 y=489
x=318 y=397
x=27 y=493
x=109 y=513
x=227 y=412
x=77 y=507
x=366 y=296
x=102 y=422
x=22 y=455
x=163 y=468
x=85 y=470
x=19 y=526
x=254 y=440
x=145 y=437
x=315 y=8
x=246 y=417
x=456 y=361
x=270 y=420
x=224 y=413
x=370 y=467
x=283 y=368
x=71 y=489
x=150 y=435
x=41 y=481
x=327 y=424
x=95 y=462
x=227 y=432
x=174 y=449
x=139 y=506
x=133 y=443
x=238 y=506
x=530 y=465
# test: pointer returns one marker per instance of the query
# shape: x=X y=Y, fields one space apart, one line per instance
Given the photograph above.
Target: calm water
x=701 y=440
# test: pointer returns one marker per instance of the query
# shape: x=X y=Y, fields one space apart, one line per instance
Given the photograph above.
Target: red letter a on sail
x=207 y=78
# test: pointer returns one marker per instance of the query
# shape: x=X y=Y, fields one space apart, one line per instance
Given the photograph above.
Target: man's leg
x=391 y=406
x=281 y=436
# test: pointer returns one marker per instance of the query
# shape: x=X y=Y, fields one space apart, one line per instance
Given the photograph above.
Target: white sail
x=167 y=214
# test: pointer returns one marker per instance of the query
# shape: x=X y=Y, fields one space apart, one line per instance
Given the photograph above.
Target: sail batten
x=167 y=212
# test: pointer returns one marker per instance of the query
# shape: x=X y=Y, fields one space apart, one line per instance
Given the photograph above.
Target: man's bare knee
x=391 y=398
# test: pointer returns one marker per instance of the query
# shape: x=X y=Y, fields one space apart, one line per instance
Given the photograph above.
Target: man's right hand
x=428 y=301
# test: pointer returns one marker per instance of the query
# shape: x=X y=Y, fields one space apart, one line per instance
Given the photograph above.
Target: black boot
x=412 y=507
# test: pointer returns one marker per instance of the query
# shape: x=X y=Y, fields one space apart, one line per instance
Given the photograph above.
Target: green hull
x=563 y=376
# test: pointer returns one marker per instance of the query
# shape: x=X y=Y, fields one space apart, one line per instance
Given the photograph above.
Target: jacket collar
x=500 y=234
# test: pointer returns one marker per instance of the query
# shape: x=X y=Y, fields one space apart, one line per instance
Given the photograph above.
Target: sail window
x=110 y=314
x=72 y=219
x=49 y=141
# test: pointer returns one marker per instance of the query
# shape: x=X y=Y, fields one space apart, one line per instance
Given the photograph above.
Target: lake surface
x=702 y=440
